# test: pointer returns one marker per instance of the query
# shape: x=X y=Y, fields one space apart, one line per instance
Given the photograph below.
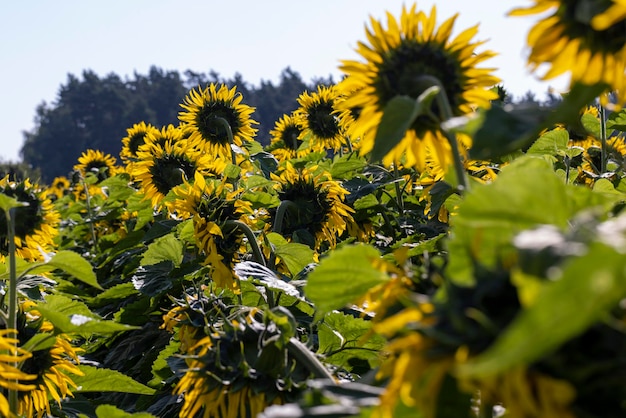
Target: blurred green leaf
x=7 y=203
x=617 y=120
x=398 y=116
x=110 y=411
x=343 y=276
x=583 y=295
x=553 y=142
x=591 y=124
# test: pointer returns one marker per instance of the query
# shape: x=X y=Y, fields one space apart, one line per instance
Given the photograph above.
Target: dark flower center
x=290 y=137
x=401 y=71
x=135 y=141
x=99 y=168
x=322 y=122
x=169 y=171
x=309 y=210
x=211 y=127
x=27 y=218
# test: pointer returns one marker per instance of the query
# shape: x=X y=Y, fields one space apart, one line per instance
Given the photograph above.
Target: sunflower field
x=410 y=244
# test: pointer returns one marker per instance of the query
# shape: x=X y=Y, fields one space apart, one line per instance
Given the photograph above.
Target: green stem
x=603 y=153
x=89 y=212
x=445 y=111
x=10 y=215
x=231 y=141
x=396 y=183
x=256 y=250
x=280 y=214
x=308 y=359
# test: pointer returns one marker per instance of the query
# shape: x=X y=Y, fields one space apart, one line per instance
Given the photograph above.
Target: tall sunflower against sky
x=206 y=110
x=582 y=37
x=97 y=162
x=395 y=62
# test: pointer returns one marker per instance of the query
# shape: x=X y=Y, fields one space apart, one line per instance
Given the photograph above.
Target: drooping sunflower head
x=60 y=187
x=314 y=209
x=35 y=224
x=212 y=112
x=322 y=123
x=215 y=208
x=161 y=167
x=98 y=163
x=135 y=137
x=585 y=38
x=399 y=61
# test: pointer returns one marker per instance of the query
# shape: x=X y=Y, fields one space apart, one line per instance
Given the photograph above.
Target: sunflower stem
x=256 y=250
x=603 y=151
x=94 y=237
x=12 y=325
x=396 y=183
x=231 y=142
x=308 y=359
x=445 y=113
x=280 y=215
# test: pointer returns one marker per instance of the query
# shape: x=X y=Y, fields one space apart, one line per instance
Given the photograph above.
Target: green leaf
x=232 y=171
x=398 y=116
x=590 y=286
x=166 y=248
x=553 y=142
x=7 y=203
x=591 y=124
x=71 y=316
x=295 y=256
x=343 y=338
x=345 y=166
x=344 y=276
x=120 y=291
x=617 y=121
x=106 y=380
x=110 y=411
x=75 y=265
x=266 y=161
x=161 y=371
x=153 y=279
x=513 y=127
x=117 y=188
x=40 y=341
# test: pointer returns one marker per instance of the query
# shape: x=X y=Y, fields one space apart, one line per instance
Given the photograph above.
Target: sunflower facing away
x=586 y=38
x=98 y=163
x=286 y=142
x=10 y=376
x=315 y=209
x=214 y=208
x=395 y=62
x=35 y=224
x=135 y=137
x=322 y=123
x=205 y=111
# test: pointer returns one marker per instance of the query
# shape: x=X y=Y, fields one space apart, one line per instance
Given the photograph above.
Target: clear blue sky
x=41 y=42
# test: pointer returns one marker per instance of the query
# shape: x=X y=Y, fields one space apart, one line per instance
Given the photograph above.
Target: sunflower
x=585 y=38
x=286 y=141
x=215 y=208
x=35 y=224
x=98 y=163
x=60 y=187
x=11 y=377
x=396 y=63
x=161 y=167
x=322 y=123
x=206 y=110
x=315 y=209
x=135 y=137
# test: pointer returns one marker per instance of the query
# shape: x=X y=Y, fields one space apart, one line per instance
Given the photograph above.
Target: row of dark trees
x=94 y=112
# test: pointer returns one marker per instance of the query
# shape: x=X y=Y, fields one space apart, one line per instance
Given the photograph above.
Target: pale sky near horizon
x=41 y=42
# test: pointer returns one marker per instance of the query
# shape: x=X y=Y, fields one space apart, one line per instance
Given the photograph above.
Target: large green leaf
x=110 y=411
x=588 y=289
x=617 y=121
x=71 y=316
x=75 y=265
x=7 y=203
x=296 y=256
x=398 y=116
x=344 y=276
x=553 y=142
x=153 y=279
x=166 y=248
x=106 y=380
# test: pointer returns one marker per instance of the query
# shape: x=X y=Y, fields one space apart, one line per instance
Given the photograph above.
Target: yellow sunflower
x=135 y=137
x=315 y=211
x=11 y=377
x=60 y=187
x=161 y=167
x=213 y=206
x=205 y=111
x=322 y=122
x=395 y=64
x=98 y=163
x=35 y=224
x=585 y=38
x=286 y=142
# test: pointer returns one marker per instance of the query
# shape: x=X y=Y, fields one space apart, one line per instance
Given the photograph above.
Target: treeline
x=94 y=112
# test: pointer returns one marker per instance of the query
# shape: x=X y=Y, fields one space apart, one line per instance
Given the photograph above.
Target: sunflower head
x=135 y=137
x=286 y=139
x=35 y=223
x=212 y=112
x=585 y=38
x=98 y=163
x=60 y=187
x=400 y=60
x=322 y=123
x=315 y=211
